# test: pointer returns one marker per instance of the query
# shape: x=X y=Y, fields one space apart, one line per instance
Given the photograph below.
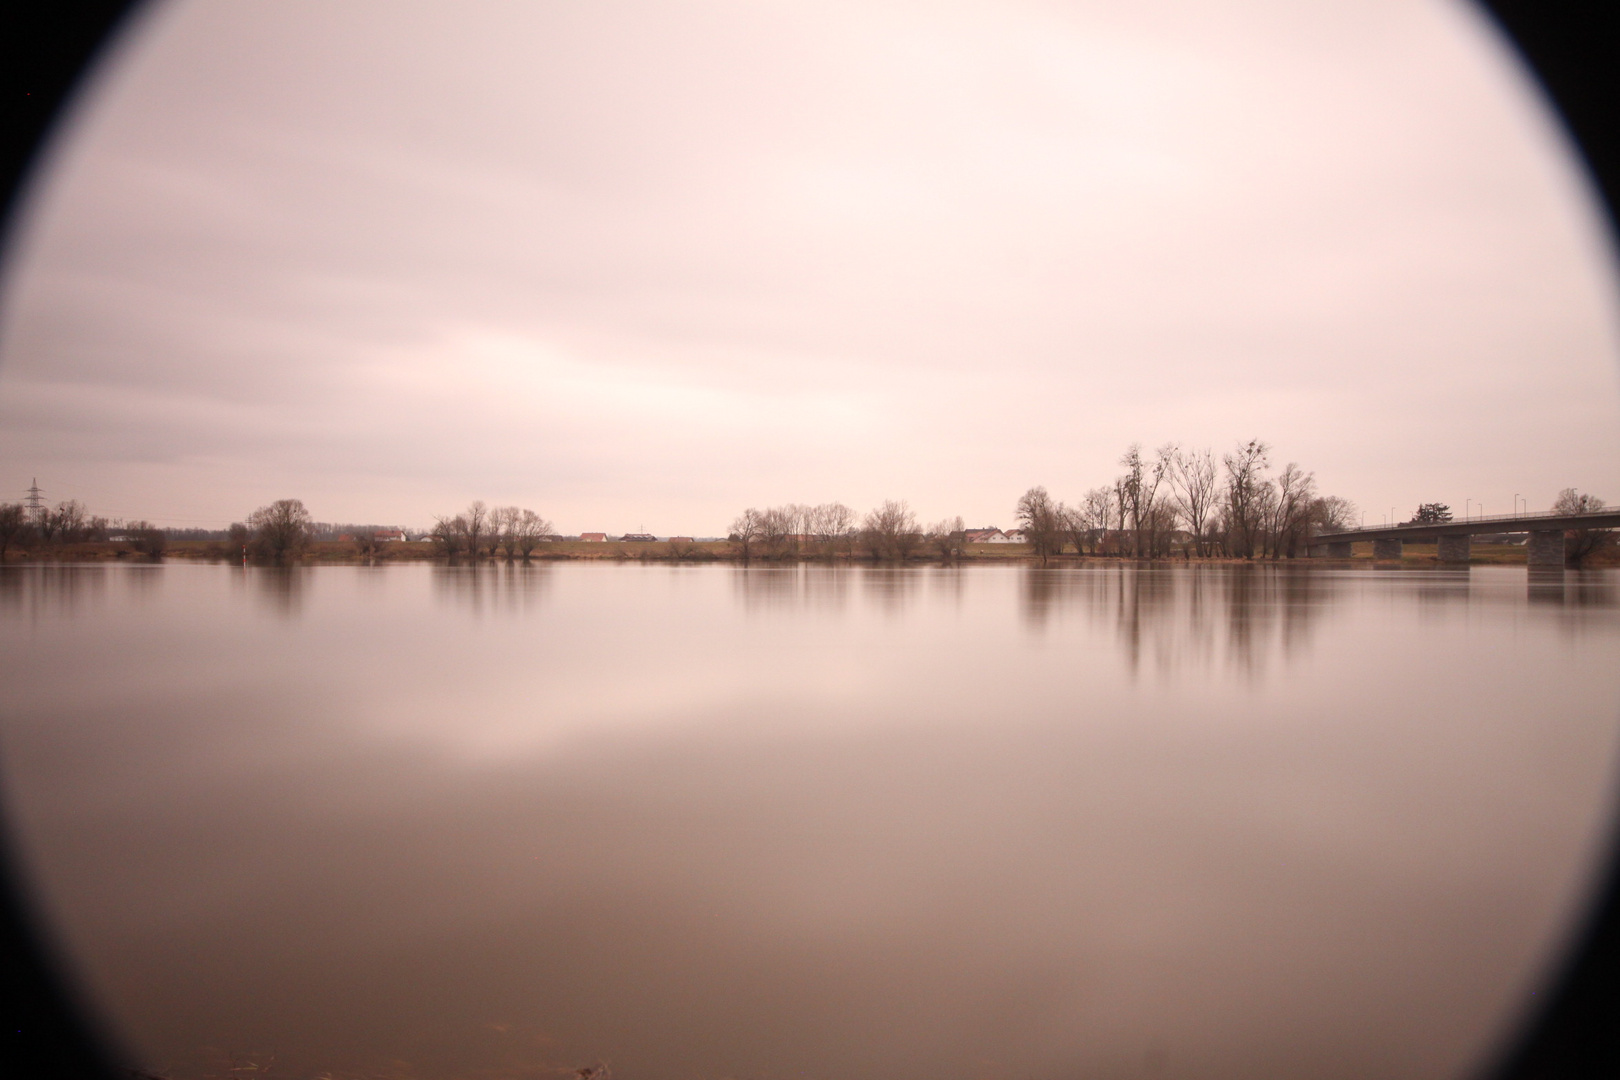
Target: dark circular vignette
x=1573 y=47
x=45 y=50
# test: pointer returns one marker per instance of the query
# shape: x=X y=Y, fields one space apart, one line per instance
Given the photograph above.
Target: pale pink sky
x=650 y=263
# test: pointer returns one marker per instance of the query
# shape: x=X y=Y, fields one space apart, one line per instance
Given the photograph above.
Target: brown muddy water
x=707 y=822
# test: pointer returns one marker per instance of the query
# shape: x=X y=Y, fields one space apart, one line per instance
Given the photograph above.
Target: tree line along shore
x=1172 y=504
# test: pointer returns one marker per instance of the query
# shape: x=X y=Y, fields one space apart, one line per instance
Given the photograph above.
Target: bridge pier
x=1388 y=549
x=1546 y=549
x=1454 y=549
x=1339 y=549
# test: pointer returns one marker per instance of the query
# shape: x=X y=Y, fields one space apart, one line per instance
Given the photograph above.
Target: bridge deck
x=1551 y=521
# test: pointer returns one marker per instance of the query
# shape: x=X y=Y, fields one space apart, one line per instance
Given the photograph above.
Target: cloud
x=642 y=263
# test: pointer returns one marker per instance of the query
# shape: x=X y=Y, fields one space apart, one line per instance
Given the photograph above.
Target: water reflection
x=278 y=589
x=1171 y=619
x=890 y=589
x=486 y=588
x=778 y=589
x=39 y=589
x=766 y=589
x=676 y=819
x=143 y=582
x=948 y=583
x=1571 y=588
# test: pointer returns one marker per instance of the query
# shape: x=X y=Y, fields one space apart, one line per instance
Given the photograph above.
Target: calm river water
x=708 y=822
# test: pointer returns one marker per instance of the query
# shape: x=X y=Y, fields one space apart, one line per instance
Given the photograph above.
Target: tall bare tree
x=778 y=527
x=1042 y=521
x=1158 y=529
x=14 y=525
x=1137 y=490
x=746 y=532
x=1580 y=544
x=1192 y=482
x=890 y=531
x=948 y=538
x=1096 y=512
x=65 y=523
x=146 y=538
x=280 y=530
x=1072 y=523
x=448 y=535
x=476 y=527
x=1246 y=495
x=1331 y=514
x=1290 y=515
x=502 y=531
x=527 y=532
x=831 y=525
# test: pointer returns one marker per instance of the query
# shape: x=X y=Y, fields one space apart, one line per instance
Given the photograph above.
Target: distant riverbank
x=1414 y=554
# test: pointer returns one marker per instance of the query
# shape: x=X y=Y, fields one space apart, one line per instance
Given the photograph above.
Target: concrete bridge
x=1546 y=547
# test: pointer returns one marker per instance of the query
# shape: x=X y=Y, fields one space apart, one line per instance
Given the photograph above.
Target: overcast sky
x=646 y=264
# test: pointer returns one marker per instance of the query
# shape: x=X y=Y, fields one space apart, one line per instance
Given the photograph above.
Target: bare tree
x=1331 y=514
x=1072 y=524
x=778 y=526
x=831 y=525
x=891 y=531
x=1192 y=483
x=65 y=523
x=1128 y=493
x=1096 y=511
x=240 y=536
x=366 y=543
x=746 y=532
x=14 y=525
x=1580 y=544
x=948 y=538
x=1290 y=514
x=798 y=517
x=1137 y=489
x=1158 y=528
x=476 y=527
x=1042 y=521
x=147 y=539
x=1246 y=498
x=1265 y=505
x=500 y=523
x=448 y=535
x=280 y=530
x=528 y=530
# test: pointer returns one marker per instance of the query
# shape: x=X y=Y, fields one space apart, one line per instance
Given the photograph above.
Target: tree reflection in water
x=276 y=588
x=1169 y=618
x=890 y=588
x=765 y=589
x=33 y=589
x=745 y=821
x=491 y=587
